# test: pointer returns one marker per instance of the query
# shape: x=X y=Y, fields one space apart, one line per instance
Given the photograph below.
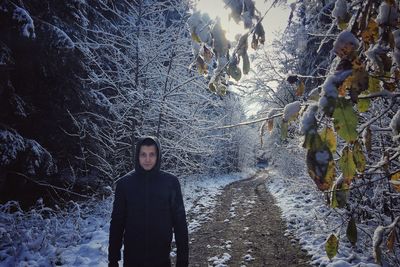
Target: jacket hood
x=139 y=144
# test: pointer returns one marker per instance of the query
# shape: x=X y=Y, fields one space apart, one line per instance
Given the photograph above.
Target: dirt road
x=245 y=230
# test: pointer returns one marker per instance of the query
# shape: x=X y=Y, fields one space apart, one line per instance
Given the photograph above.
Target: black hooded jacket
x=147 y=208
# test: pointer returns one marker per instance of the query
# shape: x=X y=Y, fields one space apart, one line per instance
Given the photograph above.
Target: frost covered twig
x=51 y=186
x=250 y=122
x=382 y=163
x=366 y=124
x=356 y=186
x=384 y=94
x=326 y=37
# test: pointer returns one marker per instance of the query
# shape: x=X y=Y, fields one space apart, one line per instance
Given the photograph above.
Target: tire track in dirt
x=246 y=230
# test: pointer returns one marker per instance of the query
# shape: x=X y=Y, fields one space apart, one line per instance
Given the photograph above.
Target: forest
x=81 y=84
x=82 y=80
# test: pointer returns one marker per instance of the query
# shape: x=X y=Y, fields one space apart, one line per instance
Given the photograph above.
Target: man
x=148 y=207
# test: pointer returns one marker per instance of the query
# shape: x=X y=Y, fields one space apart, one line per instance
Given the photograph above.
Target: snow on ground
x=78 y=235
x=200 y=195
x=304 y=209
x=220 y=261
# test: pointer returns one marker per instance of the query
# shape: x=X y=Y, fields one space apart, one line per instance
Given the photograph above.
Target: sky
x=275 y=20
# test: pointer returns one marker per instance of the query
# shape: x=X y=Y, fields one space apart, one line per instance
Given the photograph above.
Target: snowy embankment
x=309 y=219
x=78 y=235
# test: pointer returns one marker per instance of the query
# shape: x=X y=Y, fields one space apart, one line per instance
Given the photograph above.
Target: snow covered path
x=246 y=230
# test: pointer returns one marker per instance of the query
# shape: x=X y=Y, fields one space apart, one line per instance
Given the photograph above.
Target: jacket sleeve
x=117 y=225
x=180 y=227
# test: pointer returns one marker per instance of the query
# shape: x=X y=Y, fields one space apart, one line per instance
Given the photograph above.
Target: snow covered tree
x=137 y=59
x=102 y=74
x=39 y=86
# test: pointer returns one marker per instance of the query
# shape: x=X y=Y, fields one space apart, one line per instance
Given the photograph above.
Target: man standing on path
x=148 y=207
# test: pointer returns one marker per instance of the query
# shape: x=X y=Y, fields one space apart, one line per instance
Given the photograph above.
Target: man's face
x=148 y=157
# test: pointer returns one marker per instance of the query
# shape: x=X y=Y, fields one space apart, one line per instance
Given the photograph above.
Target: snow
x=329 y=88
x=395 y=123
x=100 y=99
x=396 y=36
x=78 y=235
x=374 y=55
x=396 y=54
x=248 y=258
x=303 y=207
x=33 y=157
x=57 y=37
x=330 y=85
x=220 y=261
x=291 y=110
x=308 y=121
x=22 y=16
x=11 y=144
x=200 y=196
x=340 y=10
x=377 y=239
x=387 y=14
x=345 y=44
